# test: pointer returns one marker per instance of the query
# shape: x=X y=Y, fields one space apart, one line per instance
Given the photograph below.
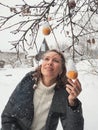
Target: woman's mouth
x=49 y=69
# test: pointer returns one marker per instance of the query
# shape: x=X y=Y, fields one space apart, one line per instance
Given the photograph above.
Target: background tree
x=74 y=21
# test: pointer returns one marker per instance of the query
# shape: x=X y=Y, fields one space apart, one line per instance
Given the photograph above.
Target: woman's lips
x=49 y=69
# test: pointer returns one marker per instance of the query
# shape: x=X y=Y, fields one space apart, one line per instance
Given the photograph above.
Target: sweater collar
x=46 y=89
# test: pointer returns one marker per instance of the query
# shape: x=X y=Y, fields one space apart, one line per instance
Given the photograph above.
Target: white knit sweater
x=42 y=101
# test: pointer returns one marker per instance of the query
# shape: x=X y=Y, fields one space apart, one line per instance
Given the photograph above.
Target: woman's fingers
x=68 y=89
x=76 y=84
x=73 y=88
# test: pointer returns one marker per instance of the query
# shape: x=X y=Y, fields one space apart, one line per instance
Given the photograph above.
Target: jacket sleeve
x=9 y=117
x=73 y=118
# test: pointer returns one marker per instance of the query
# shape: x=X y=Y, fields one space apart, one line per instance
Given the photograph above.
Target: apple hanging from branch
x=72 y=73
x=46 y=29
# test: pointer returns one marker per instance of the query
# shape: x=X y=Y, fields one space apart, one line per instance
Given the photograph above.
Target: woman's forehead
x=52 y=54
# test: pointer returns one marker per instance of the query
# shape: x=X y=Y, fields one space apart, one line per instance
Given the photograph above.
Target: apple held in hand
x=72 y=74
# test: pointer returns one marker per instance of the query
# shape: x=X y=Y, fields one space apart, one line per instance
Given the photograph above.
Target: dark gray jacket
x=19 y=111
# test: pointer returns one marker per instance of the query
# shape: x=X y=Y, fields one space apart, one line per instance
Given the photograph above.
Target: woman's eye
x=55 y=60
x=46 y=59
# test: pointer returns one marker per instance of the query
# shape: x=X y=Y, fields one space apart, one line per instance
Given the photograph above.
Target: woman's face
x=51 y=65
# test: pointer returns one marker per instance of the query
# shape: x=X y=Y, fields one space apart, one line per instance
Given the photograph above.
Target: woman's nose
x=50 y=62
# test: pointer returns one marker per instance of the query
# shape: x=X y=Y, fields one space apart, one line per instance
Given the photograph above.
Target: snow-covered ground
x=10 y=77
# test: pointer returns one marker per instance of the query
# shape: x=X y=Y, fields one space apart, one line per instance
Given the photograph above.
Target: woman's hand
x=74 y=89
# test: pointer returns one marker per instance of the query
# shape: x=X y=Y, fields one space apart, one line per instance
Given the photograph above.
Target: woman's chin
x=49 y=75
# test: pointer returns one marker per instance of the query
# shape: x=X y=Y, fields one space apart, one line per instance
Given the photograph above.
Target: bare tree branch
x=77 y=16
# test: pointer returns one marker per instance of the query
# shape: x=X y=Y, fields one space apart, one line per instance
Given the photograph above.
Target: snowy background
x=9 y=78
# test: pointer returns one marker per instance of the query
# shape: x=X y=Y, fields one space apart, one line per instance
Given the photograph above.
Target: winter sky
x=6 y=36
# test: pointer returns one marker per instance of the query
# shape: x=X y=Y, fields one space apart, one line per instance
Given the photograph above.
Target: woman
x=43 y=97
